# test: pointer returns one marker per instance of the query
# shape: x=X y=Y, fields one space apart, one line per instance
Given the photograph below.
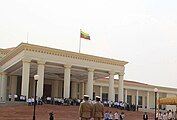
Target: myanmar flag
x=84 y=35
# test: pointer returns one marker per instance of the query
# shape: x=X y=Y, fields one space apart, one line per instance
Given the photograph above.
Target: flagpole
x=27 y=37
x=80 y=42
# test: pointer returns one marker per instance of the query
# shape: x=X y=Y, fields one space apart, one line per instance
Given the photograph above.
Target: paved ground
x=23 y=112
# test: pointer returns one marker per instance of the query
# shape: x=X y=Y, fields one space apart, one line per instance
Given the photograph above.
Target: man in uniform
x=98 y=109
x=85 y=109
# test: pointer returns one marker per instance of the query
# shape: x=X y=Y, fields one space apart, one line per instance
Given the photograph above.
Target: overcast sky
x=142 y=32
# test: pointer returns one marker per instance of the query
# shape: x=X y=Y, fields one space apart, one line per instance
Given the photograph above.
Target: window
x=140 y=101
x=129 y=99
x=116 y=97
x=77 y=87
x=104 y=96
x=93 y=95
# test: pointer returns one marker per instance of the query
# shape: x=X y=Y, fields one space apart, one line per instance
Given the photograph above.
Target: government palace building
x=66 y=74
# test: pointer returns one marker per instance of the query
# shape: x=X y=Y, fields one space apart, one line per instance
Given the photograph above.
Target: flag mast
x=27 y=37
x=80 y=42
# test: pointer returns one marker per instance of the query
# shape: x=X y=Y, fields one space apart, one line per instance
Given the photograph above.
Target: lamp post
x=155 y=91
x=36 y=77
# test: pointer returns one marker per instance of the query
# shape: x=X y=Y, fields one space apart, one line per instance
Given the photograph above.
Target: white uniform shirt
x=10 y=96
x=170 y=115
x=116 y=115
x=29 y=100
x=32 y=100
x=15 y=96
x=165 y=117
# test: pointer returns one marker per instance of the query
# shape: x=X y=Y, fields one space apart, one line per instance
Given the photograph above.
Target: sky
x=142 y=32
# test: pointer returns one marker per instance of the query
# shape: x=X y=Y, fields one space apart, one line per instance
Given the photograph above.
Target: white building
x=70 y=75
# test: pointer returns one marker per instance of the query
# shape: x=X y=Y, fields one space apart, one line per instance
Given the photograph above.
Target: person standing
x=170 y=116
x=106 y=115
x=110 y=116
x=145 y=116
x=116 y=115
x=165 y=117
x=98 y=109
x=122 y=116
x=51 y=117
x=160 y=116
x=85 y=109
x=10 y=97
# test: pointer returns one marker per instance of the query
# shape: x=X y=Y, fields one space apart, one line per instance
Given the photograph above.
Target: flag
x=84 y=35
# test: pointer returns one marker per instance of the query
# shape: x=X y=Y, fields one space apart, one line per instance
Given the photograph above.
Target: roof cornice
x=59 y=52
x=12 y=53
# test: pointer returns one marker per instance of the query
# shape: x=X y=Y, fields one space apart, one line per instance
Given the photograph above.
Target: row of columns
x=137 y=97
x=66 y=92
x=67 y=71
x=26 y=76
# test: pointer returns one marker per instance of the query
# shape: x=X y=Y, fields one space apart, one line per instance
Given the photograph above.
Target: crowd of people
x=96 y=106
x=108 y=115
x=120 y=105
x=169 y=115
x=114 y=116
x=165 y=115
x=66 y=101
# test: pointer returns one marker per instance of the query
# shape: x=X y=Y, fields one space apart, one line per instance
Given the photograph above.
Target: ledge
x=62 y=53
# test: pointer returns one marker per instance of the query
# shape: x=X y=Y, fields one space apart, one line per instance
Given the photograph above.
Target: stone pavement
x=24 y=112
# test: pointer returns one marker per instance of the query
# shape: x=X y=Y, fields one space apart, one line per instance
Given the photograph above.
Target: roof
x=5 y=51
x=59 y=52
x=135 y=83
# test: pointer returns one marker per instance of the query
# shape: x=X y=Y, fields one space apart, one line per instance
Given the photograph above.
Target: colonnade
x=147 y=104
x=67 y=81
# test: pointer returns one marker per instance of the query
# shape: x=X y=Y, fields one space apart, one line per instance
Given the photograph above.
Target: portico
x=66 y=74
x=62 y=73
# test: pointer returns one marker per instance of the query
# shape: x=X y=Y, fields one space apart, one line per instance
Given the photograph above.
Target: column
x=74 y=89
x=125 y=95
x=67 y=81
x=158 y=94
x=82 y=89
x=40 y=83
x=111 y=95
x=101 y=91
x=60 y=91
x=89 y=88
x=137 y=98
x=147 y=99
x=121 y=86
x=143 y=102
x=0 y=84
x=25 y=77
x=31 y=87
x=13 y=87
x=55 y=86
x=3 y=86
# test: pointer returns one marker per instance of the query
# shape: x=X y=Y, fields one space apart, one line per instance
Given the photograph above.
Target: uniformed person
x=98 y=109
x=85 y=109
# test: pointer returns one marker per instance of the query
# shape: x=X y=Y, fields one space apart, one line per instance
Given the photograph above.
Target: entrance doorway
x=47 y=90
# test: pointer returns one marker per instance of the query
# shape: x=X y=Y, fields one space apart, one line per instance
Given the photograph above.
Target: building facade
x=70 y=75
